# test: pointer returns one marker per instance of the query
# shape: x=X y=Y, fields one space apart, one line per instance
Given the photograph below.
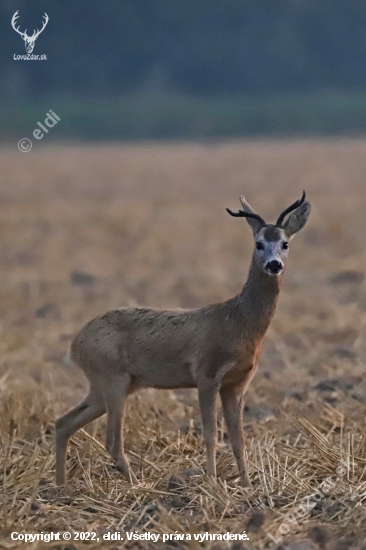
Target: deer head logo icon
x=29 y=40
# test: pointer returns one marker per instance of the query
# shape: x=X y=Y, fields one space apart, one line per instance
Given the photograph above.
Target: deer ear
x=254 y=223
x=297 y=219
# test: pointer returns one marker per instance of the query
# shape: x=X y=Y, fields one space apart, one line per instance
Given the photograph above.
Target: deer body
x=169 y=349
x=215 y=348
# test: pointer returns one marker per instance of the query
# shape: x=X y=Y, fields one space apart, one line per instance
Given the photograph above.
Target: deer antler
x=13 y=21
x=247 y=212
x=242 y=214
x=292 y=207
x=37 y=33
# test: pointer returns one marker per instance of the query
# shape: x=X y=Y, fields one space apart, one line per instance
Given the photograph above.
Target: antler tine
x=15 y=17
x=243 y=214
x=292 y=207
x=13 y=21
x=46 y=19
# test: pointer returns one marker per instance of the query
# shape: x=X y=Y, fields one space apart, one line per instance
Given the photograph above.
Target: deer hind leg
x=207 y=401
x=115 y=395
x=91 y=408
x=232 y=399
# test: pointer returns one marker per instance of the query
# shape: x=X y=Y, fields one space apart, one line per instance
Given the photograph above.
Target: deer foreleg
x=232 y=399
x=207 y=401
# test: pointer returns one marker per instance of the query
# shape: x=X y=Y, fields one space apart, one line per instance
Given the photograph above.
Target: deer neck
x=257 y=302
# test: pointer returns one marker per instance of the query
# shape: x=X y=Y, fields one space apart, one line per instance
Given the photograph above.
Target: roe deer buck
x=214 y=349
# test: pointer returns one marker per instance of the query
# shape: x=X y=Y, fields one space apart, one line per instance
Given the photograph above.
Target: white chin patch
x=272 y=273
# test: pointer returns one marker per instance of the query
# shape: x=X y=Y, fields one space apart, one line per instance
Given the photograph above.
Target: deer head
x=29 y=40
x=272 y=240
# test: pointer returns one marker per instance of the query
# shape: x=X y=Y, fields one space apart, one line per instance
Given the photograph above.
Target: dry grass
x=149 y=223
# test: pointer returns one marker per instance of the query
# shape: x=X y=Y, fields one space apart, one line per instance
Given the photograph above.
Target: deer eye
x=259 y=246
x=285 y=245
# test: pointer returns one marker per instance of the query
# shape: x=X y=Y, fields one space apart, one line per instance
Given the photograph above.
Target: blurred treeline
x=186 y=68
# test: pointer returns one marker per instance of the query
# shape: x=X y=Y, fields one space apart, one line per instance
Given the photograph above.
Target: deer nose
x=274 y=266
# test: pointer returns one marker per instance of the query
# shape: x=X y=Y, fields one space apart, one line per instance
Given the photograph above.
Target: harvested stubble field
x=86 y=229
